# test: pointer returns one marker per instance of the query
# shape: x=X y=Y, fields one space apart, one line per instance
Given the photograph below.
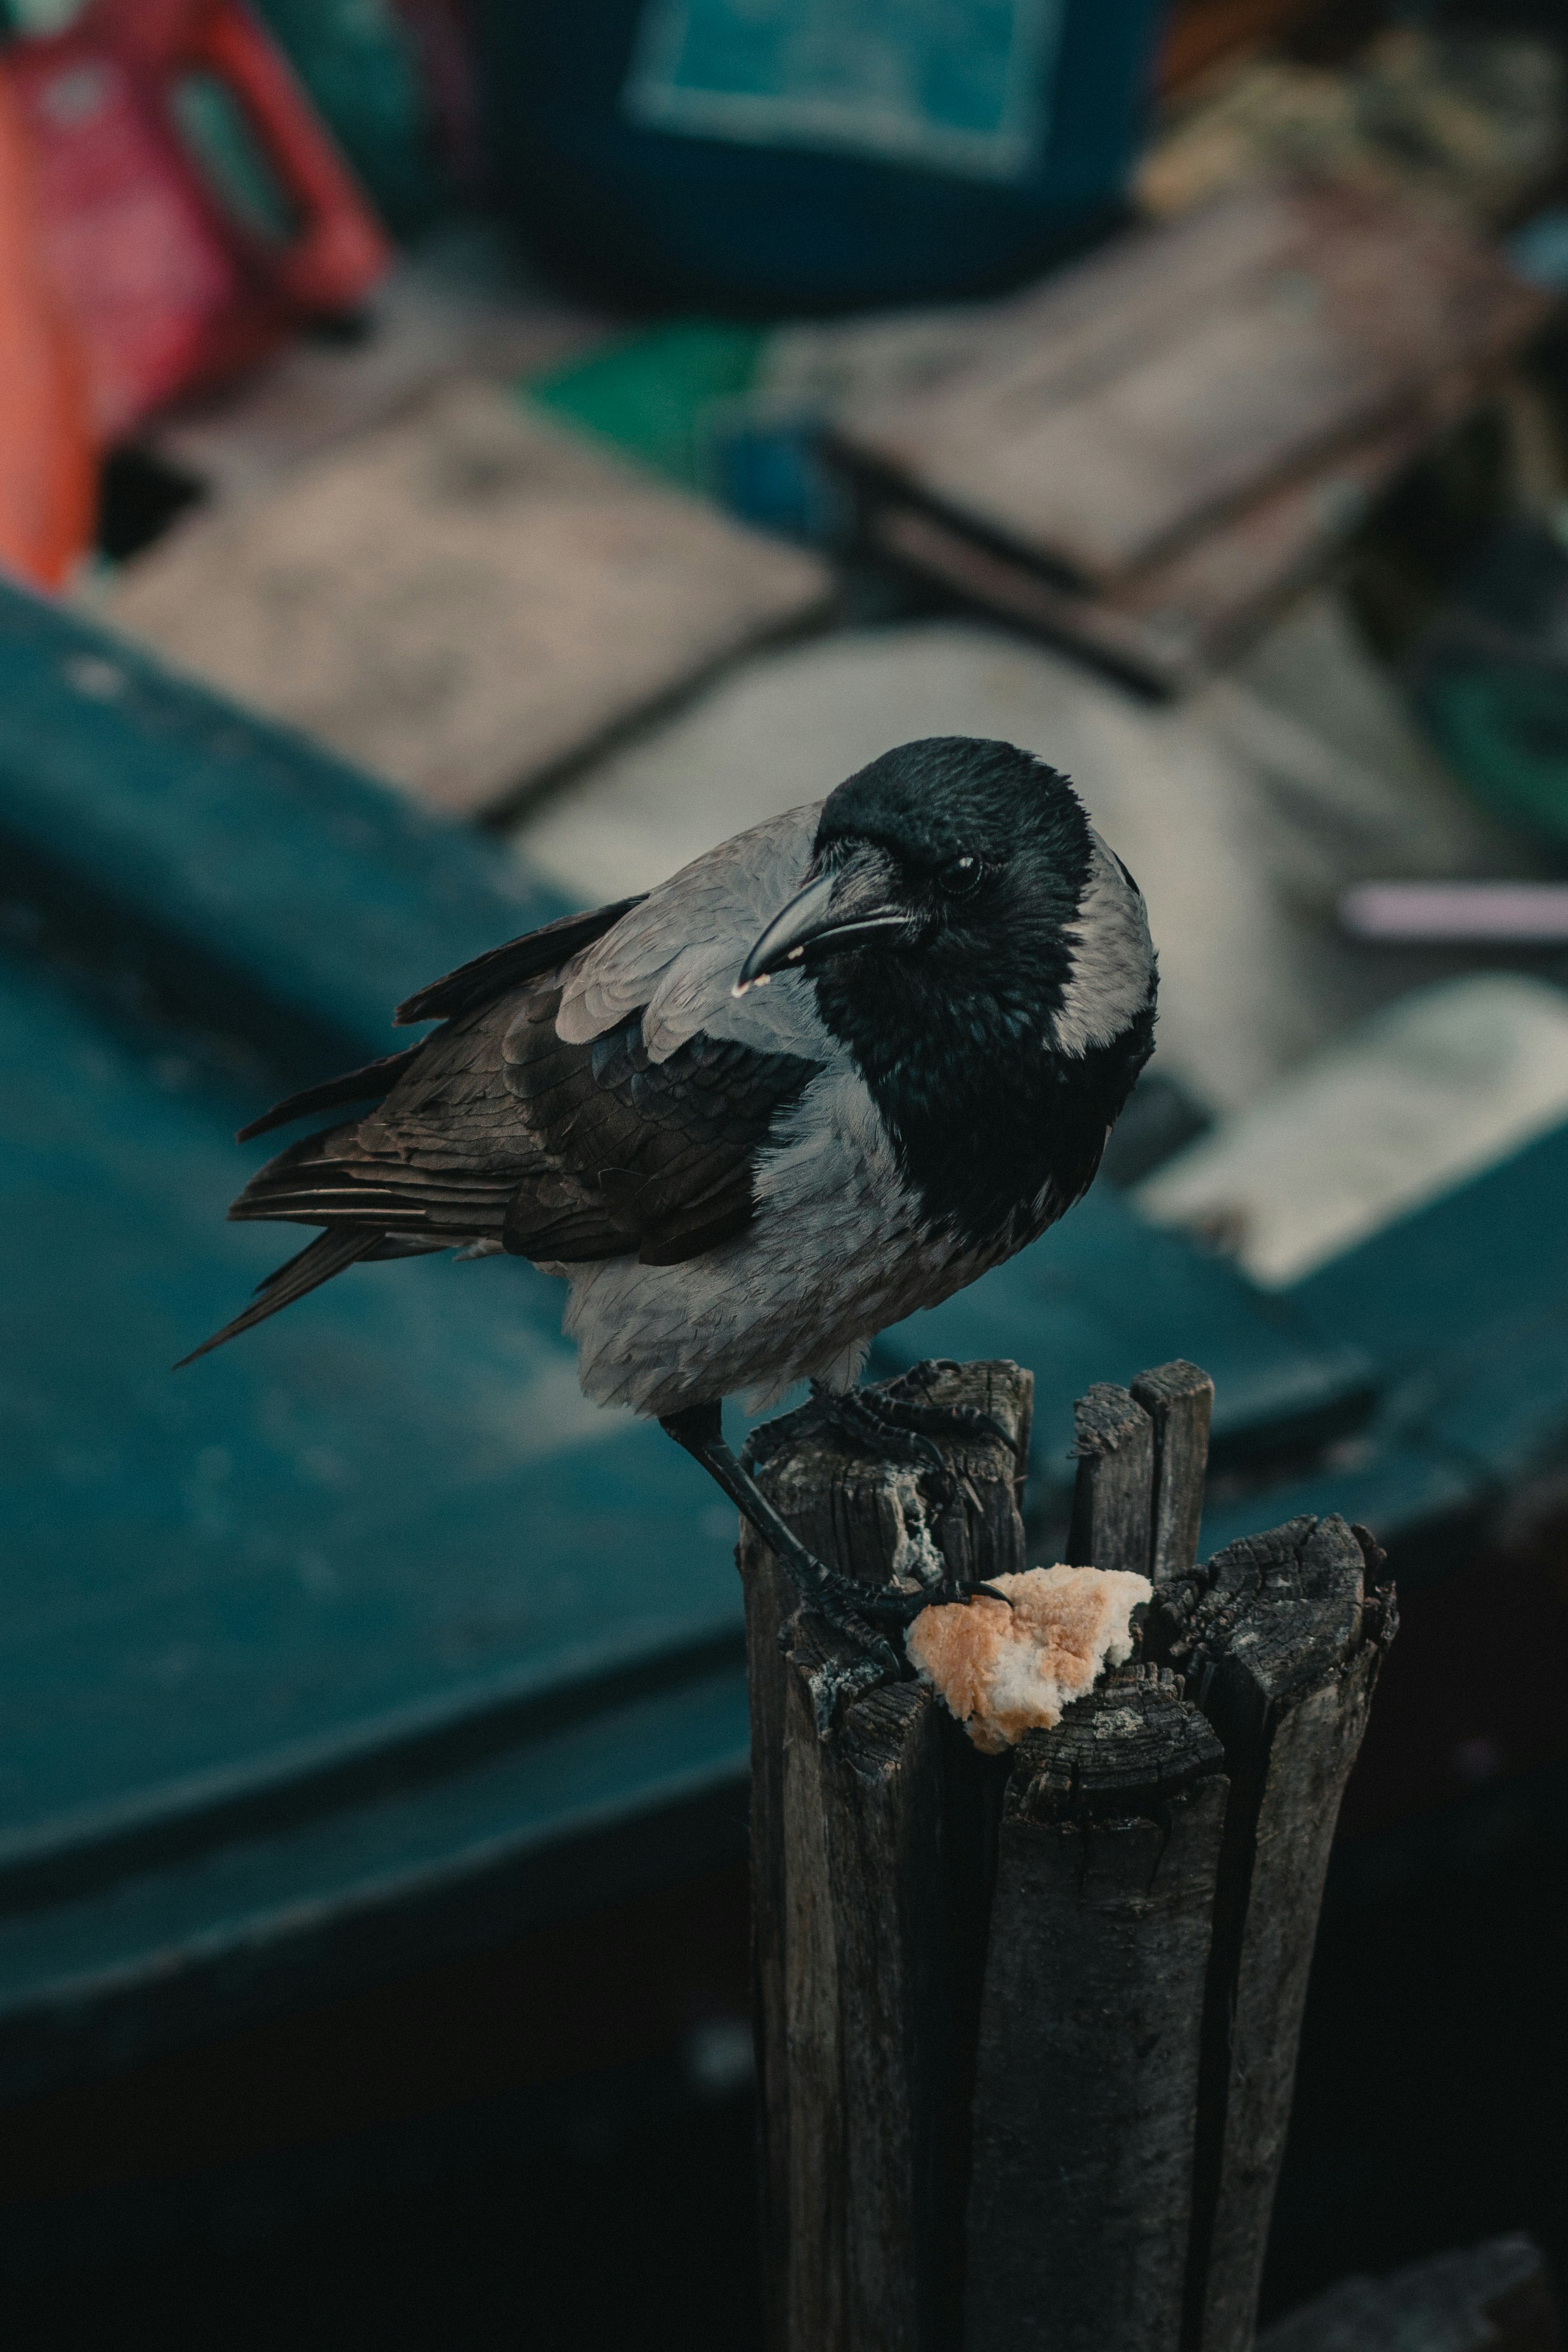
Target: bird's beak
x=843 y=908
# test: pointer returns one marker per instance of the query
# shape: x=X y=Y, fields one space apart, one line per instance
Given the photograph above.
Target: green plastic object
x=1504 y=726
x=1491 y=680
x=653 y=394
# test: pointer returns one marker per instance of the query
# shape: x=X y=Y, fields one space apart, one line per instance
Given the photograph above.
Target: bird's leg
x=900 y=1428
x=841 y=1601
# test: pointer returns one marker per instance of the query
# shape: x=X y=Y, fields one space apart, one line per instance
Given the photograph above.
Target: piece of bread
x=1002 y=1671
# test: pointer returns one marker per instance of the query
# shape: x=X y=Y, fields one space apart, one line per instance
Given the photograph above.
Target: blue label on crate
x=960 y=86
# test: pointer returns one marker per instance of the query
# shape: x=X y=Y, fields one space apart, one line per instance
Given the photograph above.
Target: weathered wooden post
x=869 y=1876
x=1086 y=2089
x=1028 y=2022
x=1279 y=1641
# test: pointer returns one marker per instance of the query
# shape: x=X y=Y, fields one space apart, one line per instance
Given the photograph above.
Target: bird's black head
x=954 y=811
x=981 y=954
x=952 y=866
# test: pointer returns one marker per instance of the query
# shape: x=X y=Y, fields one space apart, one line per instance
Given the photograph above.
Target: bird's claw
x=902 y=1608
x=839 y=1604
x=862 y=1424
x=904 y=1429
x=961 y=1424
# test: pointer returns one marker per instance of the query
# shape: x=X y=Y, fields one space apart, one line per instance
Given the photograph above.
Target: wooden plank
x=1170 y=623
x=1086 y=2080
x=1114 y=1441
x=1176 y=375
x=868 y=1865
x=465 y=598
x=1179 y=1399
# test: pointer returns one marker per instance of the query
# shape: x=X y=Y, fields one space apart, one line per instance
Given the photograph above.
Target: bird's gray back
x=677 y=955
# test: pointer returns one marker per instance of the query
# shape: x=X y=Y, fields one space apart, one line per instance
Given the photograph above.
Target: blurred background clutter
x=459 y=458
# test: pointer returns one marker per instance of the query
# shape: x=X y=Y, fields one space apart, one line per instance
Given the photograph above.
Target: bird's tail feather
x=317 y=1262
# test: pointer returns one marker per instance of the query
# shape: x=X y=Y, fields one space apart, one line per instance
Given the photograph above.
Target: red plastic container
x=167 y=282
x=47 y=473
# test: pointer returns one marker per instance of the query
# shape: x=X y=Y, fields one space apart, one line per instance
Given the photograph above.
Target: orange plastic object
x=48 y=475
x=167 y=283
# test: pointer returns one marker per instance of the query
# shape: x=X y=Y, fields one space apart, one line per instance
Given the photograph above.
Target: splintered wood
x=464 y=598
x=1028 y=2019
x=869 y=1893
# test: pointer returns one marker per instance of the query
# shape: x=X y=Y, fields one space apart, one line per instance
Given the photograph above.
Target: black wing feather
x=355 y=1085
x=494 y=1129
x=328 y=1254
x=504 y=1132
x=471 y=985
x=666 y=1150
x=499 y=969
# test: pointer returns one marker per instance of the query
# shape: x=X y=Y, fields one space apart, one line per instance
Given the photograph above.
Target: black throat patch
x=996 y=1132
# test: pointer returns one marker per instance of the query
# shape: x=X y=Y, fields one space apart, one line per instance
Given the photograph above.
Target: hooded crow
x=828 y=1072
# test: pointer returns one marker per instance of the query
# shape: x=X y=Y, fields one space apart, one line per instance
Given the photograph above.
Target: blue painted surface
x=367 y=1635
x=290 y=880
x=394 y=1497
x=1440 y=1278
x=1103 y=1296
x=167 y=1949
x=383 y=1564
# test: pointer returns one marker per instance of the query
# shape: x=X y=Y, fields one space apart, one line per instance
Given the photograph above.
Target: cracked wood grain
x=869 y=1865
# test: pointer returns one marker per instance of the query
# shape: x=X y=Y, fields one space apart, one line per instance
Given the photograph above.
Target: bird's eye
x=960 y=876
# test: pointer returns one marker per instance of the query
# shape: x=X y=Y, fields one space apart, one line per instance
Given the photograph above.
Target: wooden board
x=1170 y=626
x=463 y=599
x=1177 y=374
x=1171 y=623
